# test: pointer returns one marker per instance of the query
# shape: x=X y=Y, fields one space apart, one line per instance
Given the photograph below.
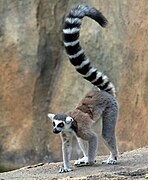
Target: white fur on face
x=56 y=126
x=67 y=125
x=57 y=122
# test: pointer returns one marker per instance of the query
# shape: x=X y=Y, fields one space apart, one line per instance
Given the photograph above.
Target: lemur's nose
x=56 y=131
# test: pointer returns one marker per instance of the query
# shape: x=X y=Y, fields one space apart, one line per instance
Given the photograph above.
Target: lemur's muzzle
x=56 y=131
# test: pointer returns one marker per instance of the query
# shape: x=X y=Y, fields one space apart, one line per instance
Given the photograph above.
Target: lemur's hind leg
x=84 y=148
x=108 y=134
x=92 y=147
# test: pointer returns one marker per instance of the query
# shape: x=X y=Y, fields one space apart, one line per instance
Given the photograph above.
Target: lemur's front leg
x=89 y=148
x=84 y=148
x=66 y=150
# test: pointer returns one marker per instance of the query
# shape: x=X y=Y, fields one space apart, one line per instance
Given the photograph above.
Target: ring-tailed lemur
x=98 y=102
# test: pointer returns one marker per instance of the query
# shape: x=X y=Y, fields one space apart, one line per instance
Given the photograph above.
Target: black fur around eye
x=53 y=123
x=60 y=125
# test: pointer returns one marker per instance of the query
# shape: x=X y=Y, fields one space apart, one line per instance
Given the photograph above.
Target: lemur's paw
x=90 y=163
x=110 y=160
x=64 y=170
x=82 y=161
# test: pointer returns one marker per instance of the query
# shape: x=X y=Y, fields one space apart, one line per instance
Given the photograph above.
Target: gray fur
x=99 y=102
x=95 y=104
x=66 y=149
x=60 y=117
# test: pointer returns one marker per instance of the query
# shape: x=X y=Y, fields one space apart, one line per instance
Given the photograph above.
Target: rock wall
x=36 y=76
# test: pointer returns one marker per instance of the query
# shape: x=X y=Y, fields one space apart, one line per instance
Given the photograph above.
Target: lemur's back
x=95 y=104
x=96 y=101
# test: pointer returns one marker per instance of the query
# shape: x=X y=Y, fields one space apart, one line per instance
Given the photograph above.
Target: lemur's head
x=60 y=122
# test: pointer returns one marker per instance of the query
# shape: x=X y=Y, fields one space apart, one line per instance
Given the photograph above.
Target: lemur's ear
x=69 y=119
x=51 y=116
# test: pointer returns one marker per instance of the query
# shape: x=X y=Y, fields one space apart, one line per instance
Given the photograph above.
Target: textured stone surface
x=35 y=75
x=132 y=166
x=30 y=49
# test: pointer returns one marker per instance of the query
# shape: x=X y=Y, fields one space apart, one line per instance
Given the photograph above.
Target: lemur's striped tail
x=76 y=53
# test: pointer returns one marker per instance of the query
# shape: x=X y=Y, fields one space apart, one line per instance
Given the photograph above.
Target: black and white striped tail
x=76 y=53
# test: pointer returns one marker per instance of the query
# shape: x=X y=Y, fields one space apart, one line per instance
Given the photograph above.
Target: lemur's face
x=60 y=122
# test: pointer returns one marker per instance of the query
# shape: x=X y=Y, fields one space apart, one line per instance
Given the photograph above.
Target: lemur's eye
x=53 y=123
x=60 y=125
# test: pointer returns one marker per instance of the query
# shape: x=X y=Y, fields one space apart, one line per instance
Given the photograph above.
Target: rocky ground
x=36 y=76
x=131 y=165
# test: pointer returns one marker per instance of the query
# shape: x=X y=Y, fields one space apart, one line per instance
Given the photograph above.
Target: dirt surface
x=131 y=165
